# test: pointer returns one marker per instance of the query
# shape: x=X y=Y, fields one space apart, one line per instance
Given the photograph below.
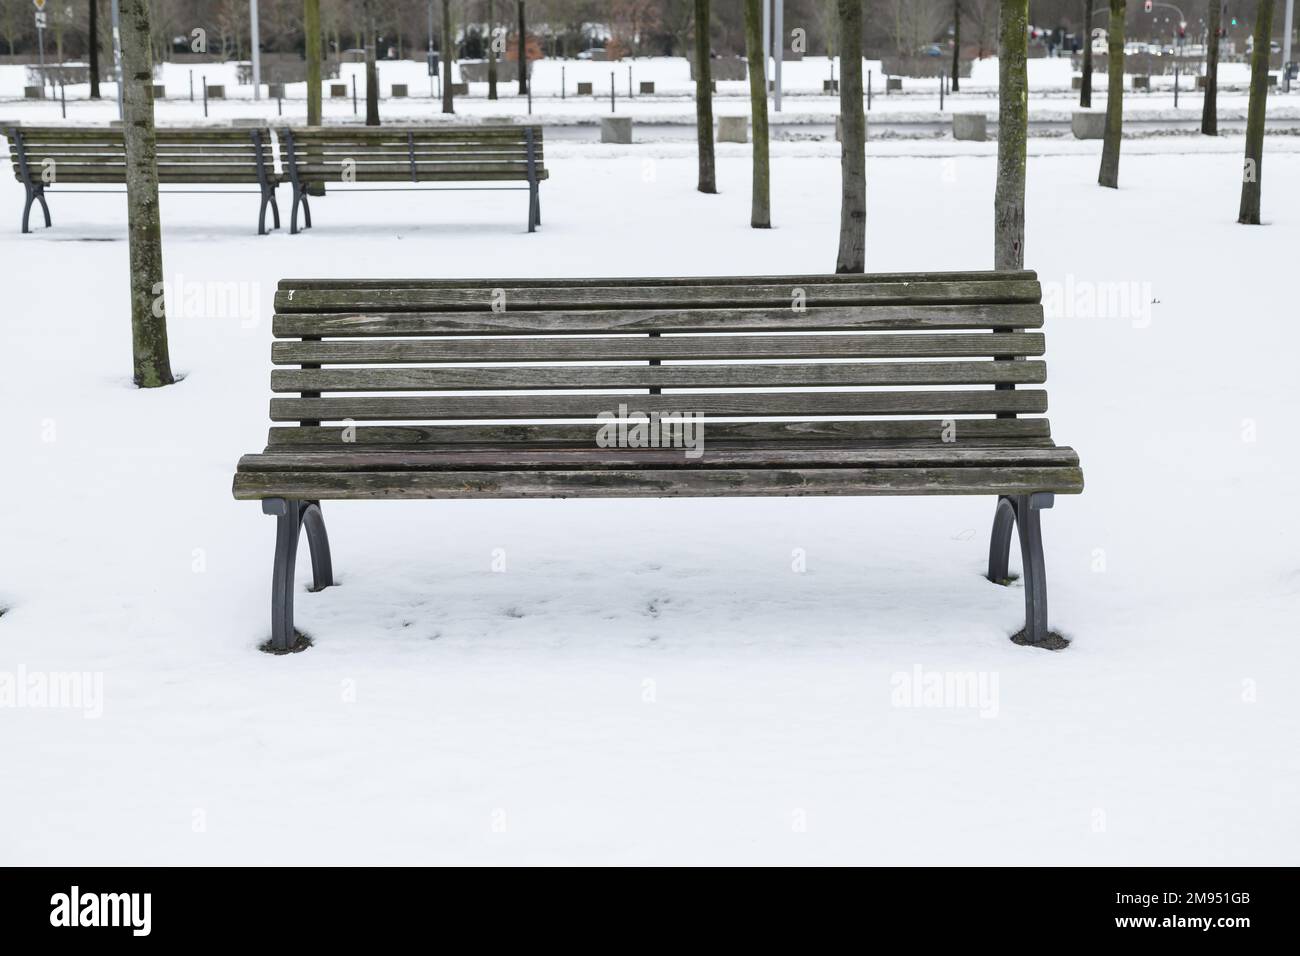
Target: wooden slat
x=666 y=348
x=878 y=432
x=657 y=376
x=873 y=278
x=650 y=297
x=613 y=459
x=659 y=483
x=749 y=404
x=598 y=321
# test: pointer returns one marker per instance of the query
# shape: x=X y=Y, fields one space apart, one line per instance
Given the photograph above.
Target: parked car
x=595 y=53
x=932 y=50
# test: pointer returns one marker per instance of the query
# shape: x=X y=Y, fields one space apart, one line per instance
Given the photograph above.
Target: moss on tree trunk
x=1013 y=128
x=708 y=182
x=1109 y=174
x=1253 y=168
x=760 y=216
x=1085 y=83
x=151 y=361
x=1209 y=109
x=853 y=134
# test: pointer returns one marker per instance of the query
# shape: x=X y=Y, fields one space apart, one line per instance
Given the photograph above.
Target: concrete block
x=616 y=129
x=971 y=126
x=1088 y=124
x=733 y=129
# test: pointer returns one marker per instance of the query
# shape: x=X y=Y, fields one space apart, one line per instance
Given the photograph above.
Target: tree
x=1253 y=170
x=312 y=49
x=1209 y=108
x=708 y=182
x=1013 y=129
x=760 y=216
x=1109 y=175
x=372 y=70
x=1085 y=84
x=853 y=143
x=150 y=357
x=492 y=52
x=92 y=48
x=447 y=44
x=956 y=46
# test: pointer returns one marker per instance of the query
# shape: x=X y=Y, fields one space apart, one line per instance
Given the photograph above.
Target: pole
x=941 y=94
x=354 y=94
x=869 y=91
x=561 y=82
x=1286 y=45
x=255 y=42
x=191 y=86
x=629 y=81
x=204 y=80
x=778 y=48
x=523 y=51
x=117 y=60
x=611 y=91
x=429 y=57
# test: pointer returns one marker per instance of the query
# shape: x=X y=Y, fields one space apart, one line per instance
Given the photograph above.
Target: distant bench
x=46 y=157
x=395 y=155
x=947 y=364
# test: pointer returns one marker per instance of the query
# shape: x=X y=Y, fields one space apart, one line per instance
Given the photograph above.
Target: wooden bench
x=317 y=155
x=875 y=385
x=51 y=156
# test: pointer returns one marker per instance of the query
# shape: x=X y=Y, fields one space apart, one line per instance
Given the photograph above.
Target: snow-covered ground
x=653 y=681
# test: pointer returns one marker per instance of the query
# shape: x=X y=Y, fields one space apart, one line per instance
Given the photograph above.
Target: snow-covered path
x=650 y=681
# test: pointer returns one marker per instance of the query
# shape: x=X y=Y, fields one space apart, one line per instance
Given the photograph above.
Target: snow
x=652 y=681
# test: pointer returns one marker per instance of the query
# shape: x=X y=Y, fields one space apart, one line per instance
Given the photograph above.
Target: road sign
x=40 y=20
x=40 y=4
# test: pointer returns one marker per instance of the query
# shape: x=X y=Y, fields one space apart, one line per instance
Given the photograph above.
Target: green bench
x=875 y=385
x=45 y=158
x=396 y=155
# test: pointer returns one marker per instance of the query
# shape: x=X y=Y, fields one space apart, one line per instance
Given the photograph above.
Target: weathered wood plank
x=762 y=293
x=657 y=376
x=659 y=483
x=583 y=459
x=749 y=404
x=872 y=278
x=599 y=321
x=961 y=431
x=665 y=348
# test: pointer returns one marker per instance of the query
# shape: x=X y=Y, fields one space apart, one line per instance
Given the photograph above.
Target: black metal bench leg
x=1004 y=520
x=298 y=199
x=322 y=568
x=288 y=524
x=275 y=211
x=532 y=208
x=537 y=205
x=261 y=215
x=34 y=196
x=1028 y=512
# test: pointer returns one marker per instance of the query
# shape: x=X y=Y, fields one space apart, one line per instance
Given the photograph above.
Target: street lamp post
x=255 y=42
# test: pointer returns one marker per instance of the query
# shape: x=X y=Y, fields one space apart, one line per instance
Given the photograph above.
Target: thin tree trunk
x=1013 y=128
x=704 y=99
x=1109 y=175
x=853 y=142
x=447 y=44
x=523 y=52
x=372 y=69
x=492 y=54
x=151 y=361
x=956 y=46
x=760 y=216
x=92 y=51
x=1085 y=85
x=1210 y=108
x=312 y=47
x=1253 y=170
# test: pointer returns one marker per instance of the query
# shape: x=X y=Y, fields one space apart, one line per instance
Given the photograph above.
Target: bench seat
x=850 y=385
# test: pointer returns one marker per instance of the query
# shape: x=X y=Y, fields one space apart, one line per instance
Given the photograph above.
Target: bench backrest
x=64 y=154
x=900 y=358
x=412 y=154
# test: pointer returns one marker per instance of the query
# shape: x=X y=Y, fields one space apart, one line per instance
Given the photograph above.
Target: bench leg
x=533 y=218
x=290 y=518
x=261 y=214
x=299 y=198
x=35 y=196
x=1024 y=511
x=275 y=211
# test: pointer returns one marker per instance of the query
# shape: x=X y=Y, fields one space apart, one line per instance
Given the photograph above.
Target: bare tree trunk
x=312 y=48
x=447 y=45
x=704 y=98
x=492 y=53
x=1013 y=129
x=853 y=142
x=760 y=216
x=956 y=46
x=1109 y=175
x=523 y=52
x=372 y=70
x=92 y=51
x=1253 y=170
x=1210 y=108
x=1085 y=85
x=151 y=361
